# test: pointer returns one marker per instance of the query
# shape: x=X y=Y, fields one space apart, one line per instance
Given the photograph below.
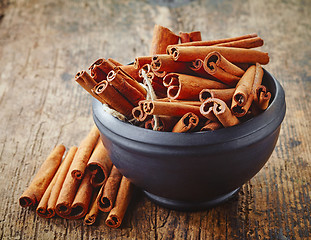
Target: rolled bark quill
x=33 y=194
x=63 y=171
x=190 y=37
x=99 y=165
x=139 y=62
x=235 y=55
x=163 y=64
x=243 y=94
x=181 y=86
x=83 y=153
x=206 y=109
x=211 y=42
x=223 y=113
x=138 y=113
x=108 y=94
x=87 y=82
x=82 y=199
x=96 y=72
x=169 y=108
x=91 y=216
x=218 y=66
x=187 y=123
x=114 y=62
x=120 y=82
x=223 y=94
x=262 y=97
x=244 y=43
x=43 y=204
x=157 y=84
x=162 y=37
x=116 y=215
x=131 y=71
x=108 y=192
x=211 y=126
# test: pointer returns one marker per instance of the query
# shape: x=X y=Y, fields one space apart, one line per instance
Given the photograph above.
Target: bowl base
x=190 y=206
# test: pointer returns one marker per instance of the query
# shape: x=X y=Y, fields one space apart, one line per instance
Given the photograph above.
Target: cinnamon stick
x=206 y=109
x=99 y=165
x=82 y=199
x=83 y=154
x=96 y=72
x=108 y=192
x=181 y=86
x=33 y=194
x=162 y=37
x=218 y=66
x=223 y=113
x=117 y=213
x=139 y=62
x=131 y=71
x=63 y=171
x=223 y=94
x=234 y=55
x=169 y=108
x=91 y=216
x=187 y=123
x=114 y=62
x=190 y=37
x=262 y=97
x=244 y=43
x=211 y=126
x=108 y=94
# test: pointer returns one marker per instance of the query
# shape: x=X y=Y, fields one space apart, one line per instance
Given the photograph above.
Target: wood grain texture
x=44 y=43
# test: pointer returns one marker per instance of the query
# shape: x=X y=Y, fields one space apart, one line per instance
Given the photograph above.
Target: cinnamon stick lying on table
x=99 y=165
x=234 y=55
x=81 y=202
x=33 y=194
x=187 y=123
x=123 y=199
x=108 y=94
x=83 y=153
x=108 y=192
x=162 y=37
x=181 y=86
x=63 y=171
x=219 y=67
x=93 y=212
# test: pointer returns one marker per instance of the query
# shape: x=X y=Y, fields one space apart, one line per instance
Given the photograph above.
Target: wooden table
x=44 y=43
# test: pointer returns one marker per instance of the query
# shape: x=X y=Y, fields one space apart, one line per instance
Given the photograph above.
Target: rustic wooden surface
x=44 y=43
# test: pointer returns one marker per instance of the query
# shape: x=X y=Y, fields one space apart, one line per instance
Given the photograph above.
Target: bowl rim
x=112 y=125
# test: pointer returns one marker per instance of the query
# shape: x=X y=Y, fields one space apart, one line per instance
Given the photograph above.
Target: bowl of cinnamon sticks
x=193 y=121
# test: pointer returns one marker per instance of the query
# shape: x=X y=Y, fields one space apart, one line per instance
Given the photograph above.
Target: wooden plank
x=44 y=43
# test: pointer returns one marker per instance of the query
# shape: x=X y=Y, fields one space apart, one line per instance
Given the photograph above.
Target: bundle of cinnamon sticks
x=80 y=184
x=184 y=84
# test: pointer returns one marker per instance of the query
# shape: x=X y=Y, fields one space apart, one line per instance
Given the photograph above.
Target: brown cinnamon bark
x=114 y=62
x=166 y=123
x=262 y=97
x=181 y=86
x=139 y=62
x=206 y=109
x=91 y=216
x=96 y=72
x=234 y=55
x=163 y=64
x=131 y=71
x=43 y=204
x=87 y=82
x=211 y=42
x=243 y=94
x=33 y=194
x=162 y=37
x=223 y=113
x=211 y=126
x=157 y=84
x=138 y=112
x=63 y=171
x=83 y=153
x=123 y=199
x=108 y=94
x=190 y=37
x=223 y=94
x=244 y=43
x=99 y=165
x=218 y=66
x=108 y=192
x=169 y=108
x=82 y=199
x=121 y=82
x=187 y=123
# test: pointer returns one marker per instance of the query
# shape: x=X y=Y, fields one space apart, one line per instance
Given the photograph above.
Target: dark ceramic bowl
x=190 y=171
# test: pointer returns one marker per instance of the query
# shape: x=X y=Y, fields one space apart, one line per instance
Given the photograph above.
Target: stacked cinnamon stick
x=78 y=184
x=185 y=84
